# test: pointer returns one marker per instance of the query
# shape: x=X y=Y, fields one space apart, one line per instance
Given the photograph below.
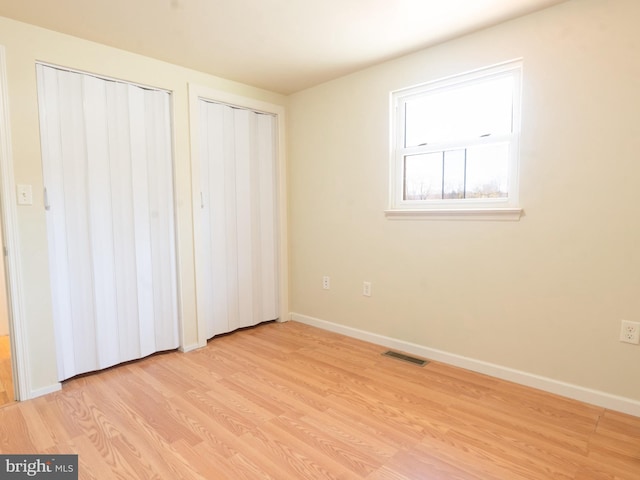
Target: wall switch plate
x=630 y=332
x=25 y=194
x=366 y=289
x=326 y=282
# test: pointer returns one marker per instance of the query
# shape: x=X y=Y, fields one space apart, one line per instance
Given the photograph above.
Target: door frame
x=9 y=226
x=196 y=93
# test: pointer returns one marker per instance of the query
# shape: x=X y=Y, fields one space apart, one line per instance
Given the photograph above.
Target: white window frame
x=482 y=208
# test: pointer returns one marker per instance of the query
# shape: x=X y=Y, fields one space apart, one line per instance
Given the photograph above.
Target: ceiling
x=279 y=45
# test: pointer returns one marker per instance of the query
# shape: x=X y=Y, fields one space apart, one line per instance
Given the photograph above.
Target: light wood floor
x=6 y=382
x=288 y=401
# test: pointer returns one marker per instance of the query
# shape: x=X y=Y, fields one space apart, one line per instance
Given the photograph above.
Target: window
x=455 y=145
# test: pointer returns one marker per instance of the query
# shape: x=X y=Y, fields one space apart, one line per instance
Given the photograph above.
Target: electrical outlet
x=326 y=282
x=366 y=289
x=630 y=332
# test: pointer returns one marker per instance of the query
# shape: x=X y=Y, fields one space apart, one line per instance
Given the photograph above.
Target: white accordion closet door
x=107 y=166
x=237 y=247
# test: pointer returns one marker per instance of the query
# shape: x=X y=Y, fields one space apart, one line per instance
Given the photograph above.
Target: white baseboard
x=576 y=392
x=38 y=392
x=189 y=348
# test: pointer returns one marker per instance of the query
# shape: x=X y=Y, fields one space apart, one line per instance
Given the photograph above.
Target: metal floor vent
x=405 y=358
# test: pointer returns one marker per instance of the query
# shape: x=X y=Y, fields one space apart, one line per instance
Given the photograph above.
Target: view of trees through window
x=476 y=172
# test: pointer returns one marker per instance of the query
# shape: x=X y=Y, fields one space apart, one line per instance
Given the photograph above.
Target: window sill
x=493 y=214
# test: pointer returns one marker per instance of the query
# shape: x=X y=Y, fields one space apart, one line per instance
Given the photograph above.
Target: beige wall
x=24 y=45
x=544 y=295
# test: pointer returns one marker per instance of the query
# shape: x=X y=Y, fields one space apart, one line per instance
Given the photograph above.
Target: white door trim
x=10 y=235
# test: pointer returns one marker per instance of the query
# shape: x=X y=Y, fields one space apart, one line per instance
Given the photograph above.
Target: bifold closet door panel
x=267 y=206
x=63 y=164
x=154 y=221
x=107 y=167
x=237 y=249
x=217 y=254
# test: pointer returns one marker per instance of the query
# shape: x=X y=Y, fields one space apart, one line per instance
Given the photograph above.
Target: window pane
x=458 y=113
x=454 y=166
x=423 y=176
x=487 y=171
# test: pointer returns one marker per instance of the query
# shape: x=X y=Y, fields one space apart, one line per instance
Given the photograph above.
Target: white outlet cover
x=630 y=332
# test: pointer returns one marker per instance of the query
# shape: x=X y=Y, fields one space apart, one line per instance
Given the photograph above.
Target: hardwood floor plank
x=428 y=466
x=475 y=461
x=253 y=411
x=224 y=415
x=618 y=433
x=272 y=406
x=364 y=425
x=40 y=432
x=207 y=461
x=386 y=473
x=307 y=461
x=606 y=466
x=393 y=414
x=290 y=388
x=14 y=434
x=178 y=376
x=519 y=456
x=152 y=409
x=365 y=441
x=279 y=459
x=351 y=458
x=279 y=394
x=488 y=419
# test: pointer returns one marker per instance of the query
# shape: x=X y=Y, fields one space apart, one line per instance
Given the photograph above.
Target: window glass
x=423 y=177
x=464 y=112
x=487 y=171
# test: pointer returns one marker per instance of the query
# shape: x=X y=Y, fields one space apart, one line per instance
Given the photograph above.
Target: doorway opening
x=9 y=390
x=7 y=394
